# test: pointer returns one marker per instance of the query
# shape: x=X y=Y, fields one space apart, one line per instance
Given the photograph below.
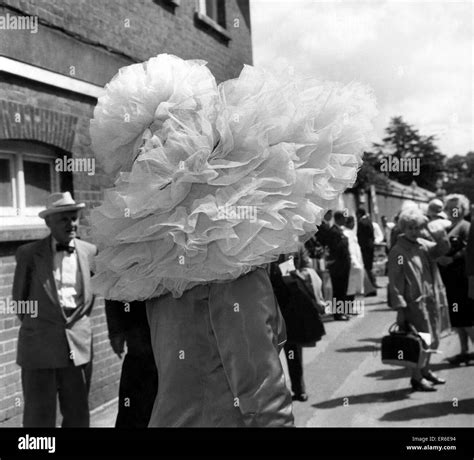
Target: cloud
x=416 y=55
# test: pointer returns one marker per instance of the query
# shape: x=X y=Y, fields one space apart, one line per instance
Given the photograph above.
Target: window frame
x=21 y=215
x=10 y=210
x=201 y=15
x=54 y=178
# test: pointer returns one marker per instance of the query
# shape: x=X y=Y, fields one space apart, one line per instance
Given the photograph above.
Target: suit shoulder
x=28 y=249
x=396 y=251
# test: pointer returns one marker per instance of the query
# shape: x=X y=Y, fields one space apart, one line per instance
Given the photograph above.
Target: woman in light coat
x=415 y=288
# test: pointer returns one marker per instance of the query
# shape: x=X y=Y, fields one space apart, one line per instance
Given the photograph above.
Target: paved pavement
x=348 y=385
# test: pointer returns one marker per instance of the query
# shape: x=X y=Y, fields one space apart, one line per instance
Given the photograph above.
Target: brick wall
x=91 y=36
x=132 y=30
x=24 y=98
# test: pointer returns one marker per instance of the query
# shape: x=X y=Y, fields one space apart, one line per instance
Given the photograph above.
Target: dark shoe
x=341 y=317
x=300 y=397
x=421 y=385
x=458 y=359
x=433 y=378
x=371 y=294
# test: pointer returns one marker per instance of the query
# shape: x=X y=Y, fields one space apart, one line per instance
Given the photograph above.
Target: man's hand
x=401 y=317
x=117 y=343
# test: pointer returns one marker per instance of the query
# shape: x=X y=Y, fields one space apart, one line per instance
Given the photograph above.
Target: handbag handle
x=396 y=328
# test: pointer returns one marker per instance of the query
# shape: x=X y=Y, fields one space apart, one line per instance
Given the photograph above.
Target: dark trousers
x=294 y=357
x=368 y=260
x=137 y=391
x=41 y=387
x=340 y=282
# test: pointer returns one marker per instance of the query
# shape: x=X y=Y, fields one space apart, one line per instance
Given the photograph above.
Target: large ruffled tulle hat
x=212 y=181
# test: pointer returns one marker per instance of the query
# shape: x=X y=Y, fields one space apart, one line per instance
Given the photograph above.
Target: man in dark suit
x=127 y=323
x=366 y=238
x=324 y=229
x=339 y=262
x=55 y=345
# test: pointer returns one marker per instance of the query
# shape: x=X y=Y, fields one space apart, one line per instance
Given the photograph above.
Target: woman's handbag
x=303 y=322
x=403 y=347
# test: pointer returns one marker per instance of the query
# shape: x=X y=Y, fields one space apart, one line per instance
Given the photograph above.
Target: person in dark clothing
x=288 y=299
x=455 y=277
x=128 y=324
x=293 y=351
x=339 y=261
x=365 y=236
x=324 y=228
x=316 y=244
x=470 y=260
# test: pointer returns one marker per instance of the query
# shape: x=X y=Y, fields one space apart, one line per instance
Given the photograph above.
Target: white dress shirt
x=67 y=275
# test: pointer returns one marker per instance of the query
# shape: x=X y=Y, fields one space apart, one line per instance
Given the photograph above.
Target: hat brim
x=66 y=208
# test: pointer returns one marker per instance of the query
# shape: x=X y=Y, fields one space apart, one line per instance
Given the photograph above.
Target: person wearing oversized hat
x=55 y=343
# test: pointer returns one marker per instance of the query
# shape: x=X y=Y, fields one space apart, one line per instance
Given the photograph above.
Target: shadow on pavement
x=400 y=373
x=366 y=398
x=430 y=410
x=363 y=348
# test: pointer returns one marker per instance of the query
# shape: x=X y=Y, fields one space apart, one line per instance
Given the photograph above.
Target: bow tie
x=65 y=247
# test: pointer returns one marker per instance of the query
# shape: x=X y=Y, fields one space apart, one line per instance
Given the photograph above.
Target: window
x=211 y=14
x=214 y=9
x=27 y=178
x=6 y=183
x=38 y=176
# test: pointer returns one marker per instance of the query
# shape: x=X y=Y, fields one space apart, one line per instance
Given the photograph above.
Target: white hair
x=411 y=214
x=461 y=200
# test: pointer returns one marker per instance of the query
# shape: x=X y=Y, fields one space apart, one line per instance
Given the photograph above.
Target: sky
x=416 y=55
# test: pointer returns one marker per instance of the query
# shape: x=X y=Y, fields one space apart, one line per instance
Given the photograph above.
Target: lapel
x=85 y=271
x=44 y=263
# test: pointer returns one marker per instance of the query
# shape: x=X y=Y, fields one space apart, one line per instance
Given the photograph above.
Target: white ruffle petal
x=212 y=181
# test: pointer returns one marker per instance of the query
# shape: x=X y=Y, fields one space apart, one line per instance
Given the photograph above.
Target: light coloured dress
x=356 y=273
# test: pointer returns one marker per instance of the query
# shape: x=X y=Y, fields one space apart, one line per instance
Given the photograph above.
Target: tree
x=368 y=174
x=406 y=156
x=459 y=175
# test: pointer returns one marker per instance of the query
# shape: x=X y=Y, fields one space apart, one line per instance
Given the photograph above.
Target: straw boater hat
x=60 y=202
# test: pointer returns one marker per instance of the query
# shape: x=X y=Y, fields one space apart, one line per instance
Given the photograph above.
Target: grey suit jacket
x=51 y=340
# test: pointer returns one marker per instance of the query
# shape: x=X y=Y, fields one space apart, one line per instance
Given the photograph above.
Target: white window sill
x=22 y=228
x=25 y=233
x=213 y=25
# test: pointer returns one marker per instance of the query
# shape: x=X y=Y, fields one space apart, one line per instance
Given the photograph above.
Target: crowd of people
x=430 y=272
x=431 y=286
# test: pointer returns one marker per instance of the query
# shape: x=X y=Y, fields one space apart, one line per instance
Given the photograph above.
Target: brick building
x=55 y=58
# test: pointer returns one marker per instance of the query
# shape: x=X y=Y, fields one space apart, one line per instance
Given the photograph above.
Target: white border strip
x=48 y=77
